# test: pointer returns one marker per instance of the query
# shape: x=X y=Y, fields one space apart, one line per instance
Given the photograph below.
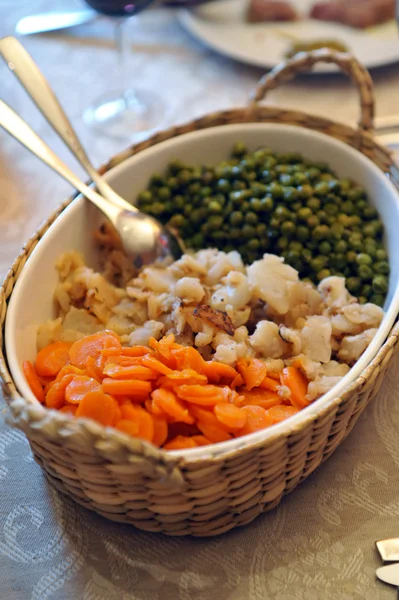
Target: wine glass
x=126 y=111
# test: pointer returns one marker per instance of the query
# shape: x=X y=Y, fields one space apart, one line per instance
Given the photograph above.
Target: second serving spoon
x=144 y=239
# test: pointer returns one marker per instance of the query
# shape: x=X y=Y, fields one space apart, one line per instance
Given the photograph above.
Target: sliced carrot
x=128 y=426
x=55 y=397
x=280 y=413
x=256 y=419
x=164 y=346
x=69 y=409
x=186 y=376
x=52 y=358
x=93 y=369
x=98 y=406
x=238 y=381
x=215 y=371
x=204 y=395
x=205 y=415
x=272 y=375
x=155 y=364
x=270 y=384
x=180 y=442
x=160 y=431
x=167 y=402
x=253 y=372
x=135 y=351
x=141 y=418
x=92 y=345
x=33 y=380
x=135 y=388
x=215 y=434
x=258 y=397
x=297 y=384
x=231 y=416
x=108 y=352
x=79 y=386
x=132 y=372
x=200 y=440
x=124 y=400
x=68 y=370
x=188 y=358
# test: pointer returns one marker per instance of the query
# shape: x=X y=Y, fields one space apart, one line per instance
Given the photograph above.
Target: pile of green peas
x=284 y=204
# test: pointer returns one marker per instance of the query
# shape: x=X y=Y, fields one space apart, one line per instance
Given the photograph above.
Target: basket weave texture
x=130 y=481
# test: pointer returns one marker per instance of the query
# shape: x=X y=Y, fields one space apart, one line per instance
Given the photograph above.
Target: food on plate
x=199 y=351
x=356 y=13
x=261 y=11
x=315 y=45
x=262 y=201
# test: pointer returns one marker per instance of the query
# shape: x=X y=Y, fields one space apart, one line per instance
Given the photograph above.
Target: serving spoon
x=144 y=239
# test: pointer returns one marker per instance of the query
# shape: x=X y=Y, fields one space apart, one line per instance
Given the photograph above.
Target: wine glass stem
x=122 y=39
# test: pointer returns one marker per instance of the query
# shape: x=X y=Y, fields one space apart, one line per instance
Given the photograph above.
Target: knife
x=389 y=574
x=52 y=21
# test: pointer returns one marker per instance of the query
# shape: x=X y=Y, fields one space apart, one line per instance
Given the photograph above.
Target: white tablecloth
x=319 y=543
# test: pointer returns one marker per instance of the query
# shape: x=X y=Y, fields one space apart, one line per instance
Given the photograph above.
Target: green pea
x=179 y=201
x=322 y=215
x=313 y=222
x=290 y=194
x=364 y=259
x=236 y=218
x=197 y=240
x=381 y=267
x=323 y=274
x=331 y=209
x=248 y=231
x=313 y=204
x=337 y=231
x=235 y=233
x=251 y=218
x=380 y=284
x=366 y=290
x=381 y=254
x=267 y=204
x=258 y=189
x=305 y=191
x=304 y=213
x=318 y=263
x=215 y=207
x=261 y=229
x=370 y=213
x=302 y=233
x=365 y=272
x=321 y=188
x=178 y=221
x=340 y=246
x=287 y=228
x=362 y=300
x=282 y=243
x=254 y=244
x=351 y=257
x=146 y=197
x=239 y=149
x=325 y=248
x=320 y=232
x=313 y=173
x=378 y=299
x=353 y=284
x=276 y=190
x=300 y=178
x=296 y=246
x=281 y=213
x=184 y=177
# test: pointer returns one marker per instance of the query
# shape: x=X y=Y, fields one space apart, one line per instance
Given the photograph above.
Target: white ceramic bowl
x=31 y=302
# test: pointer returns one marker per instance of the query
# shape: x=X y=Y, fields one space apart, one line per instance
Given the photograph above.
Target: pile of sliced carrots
x=164 y=393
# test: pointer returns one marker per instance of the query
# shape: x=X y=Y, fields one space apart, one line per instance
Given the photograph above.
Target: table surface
x=319 y=543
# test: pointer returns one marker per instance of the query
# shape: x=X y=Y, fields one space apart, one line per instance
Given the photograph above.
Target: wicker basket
x=130 y=481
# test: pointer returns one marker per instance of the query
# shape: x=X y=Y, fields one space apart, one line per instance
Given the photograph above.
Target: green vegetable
x=261 y=201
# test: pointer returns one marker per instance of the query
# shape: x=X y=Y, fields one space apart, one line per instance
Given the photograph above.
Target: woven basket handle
x=305 y=61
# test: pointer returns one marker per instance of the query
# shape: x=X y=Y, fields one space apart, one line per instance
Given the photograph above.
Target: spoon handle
x=24 y=134
x=33 y=81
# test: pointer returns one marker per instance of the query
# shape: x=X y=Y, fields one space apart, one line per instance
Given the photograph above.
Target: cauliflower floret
x=234 y=292
x=189 y=289
x=267 y=341
x=141 y=335
x=334 y=292
x=270 y=279
x=353 y=346
x=321 y=386
x=316 y=339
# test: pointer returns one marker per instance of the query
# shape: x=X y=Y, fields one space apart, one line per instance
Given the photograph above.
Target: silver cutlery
x=389 y=574
x=143 y=238
x=53 y=21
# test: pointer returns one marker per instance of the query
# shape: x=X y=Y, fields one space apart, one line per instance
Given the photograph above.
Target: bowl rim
x=349 y=382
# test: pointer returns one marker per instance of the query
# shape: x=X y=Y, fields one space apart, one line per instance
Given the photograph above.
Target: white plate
x=221 y=25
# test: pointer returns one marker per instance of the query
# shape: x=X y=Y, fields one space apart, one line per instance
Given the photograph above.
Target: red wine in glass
x=127 y=111
x=118 y=8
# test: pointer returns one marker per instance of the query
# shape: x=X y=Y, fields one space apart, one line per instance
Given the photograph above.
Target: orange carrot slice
x=132 y=372
x=68 y=370
x=135 y=388
x=55 y=397
x=270 y=384
x=180 y=442
x=79 y=386
x=92 y=345
x=141 y=419
x=188 y=358
x=160 y=431
x=215 y=371
x=258 y=397
x=280 y=413
x=186 y=376
x=204 y=395
x=214 y=434
x=155 y=365
x=135 y=351
x=33 y=380
x=297 y=384
x=253 y=373
x=69 y=409
x=166 y=402
x=52 y=358
x=256 y=419
x=98 y=406
x=231 y=416
x=201 y=440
